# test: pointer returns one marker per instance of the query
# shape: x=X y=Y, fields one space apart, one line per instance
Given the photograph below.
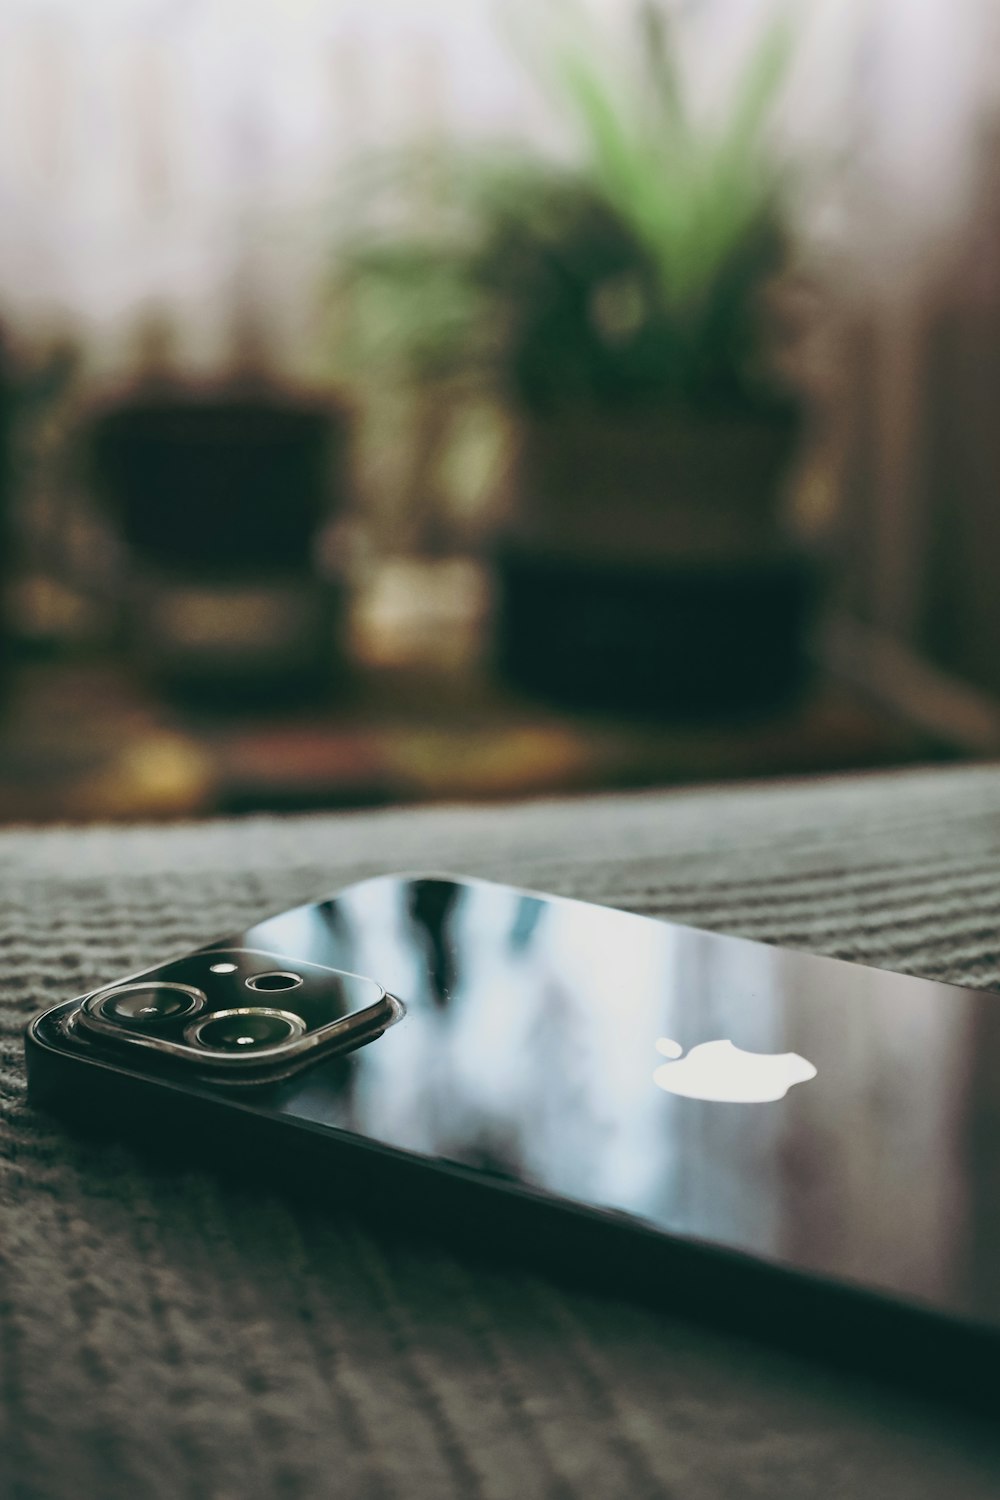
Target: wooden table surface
x=89 y=740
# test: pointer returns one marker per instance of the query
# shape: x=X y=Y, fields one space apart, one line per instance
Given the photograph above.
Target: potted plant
x=619 y=303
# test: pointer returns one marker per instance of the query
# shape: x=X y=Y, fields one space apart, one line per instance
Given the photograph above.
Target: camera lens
x=276 y=979
x=144 y=1004
x=248 y=1029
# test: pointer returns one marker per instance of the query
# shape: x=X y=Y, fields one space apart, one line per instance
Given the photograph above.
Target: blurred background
x=405 y=401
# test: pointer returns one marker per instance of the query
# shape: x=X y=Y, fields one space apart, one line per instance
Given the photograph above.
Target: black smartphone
x=790 y=1145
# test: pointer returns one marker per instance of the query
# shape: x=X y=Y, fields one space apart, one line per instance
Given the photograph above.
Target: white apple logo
x=720 y=1072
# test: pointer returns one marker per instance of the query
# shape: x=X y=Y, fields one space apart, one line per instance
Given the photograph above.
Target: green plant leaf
x=635 y=274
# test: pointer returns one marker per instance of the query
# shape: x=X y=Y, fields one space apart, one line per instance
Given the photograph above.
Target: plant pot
x=647 y=571
x=701 y=641
x=219 y=500
x=230 y=483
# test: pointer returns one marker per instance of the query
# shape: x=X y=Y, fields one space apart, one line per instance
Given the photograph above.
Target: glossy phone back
x=802 y=1116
